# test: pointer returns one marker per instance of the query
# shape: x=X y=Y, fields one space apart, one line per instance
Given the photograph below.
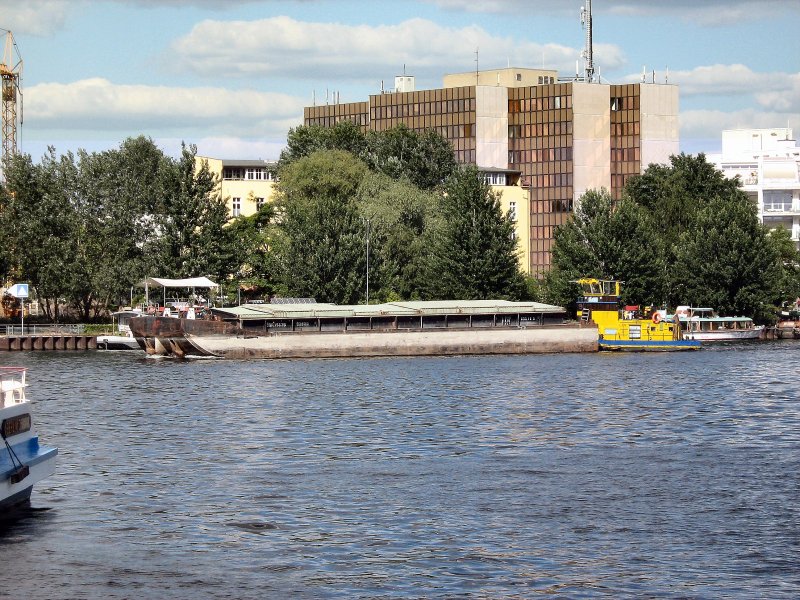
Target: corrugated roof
x=410 y=308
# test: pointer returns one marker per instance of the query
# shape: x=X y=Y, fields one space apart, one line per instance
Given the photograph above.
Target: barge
x=415 y=328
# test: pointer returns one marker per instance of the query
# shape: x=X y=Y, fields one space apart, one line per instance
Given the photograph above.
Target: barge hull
x=563 y=338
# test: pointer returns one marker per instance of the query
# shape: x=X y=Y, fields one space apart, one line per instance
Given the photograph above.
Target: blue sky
x=232 y=76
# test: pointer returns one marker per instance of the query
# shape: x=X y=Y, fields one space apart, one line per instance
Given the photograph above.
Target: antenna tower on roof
x=586 y=21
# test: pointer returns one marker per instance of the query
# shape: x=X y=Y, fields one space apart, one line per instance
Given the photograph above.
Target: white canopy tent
x=191 y=282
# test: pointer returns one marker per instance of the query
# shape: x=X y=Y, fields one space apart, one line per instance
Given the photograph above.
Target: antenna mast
x=11 y=75
x=586 y=21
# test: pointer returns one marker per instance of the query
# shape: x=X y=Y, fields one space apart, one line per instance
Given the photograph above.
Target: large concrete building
x=767 y=162
x=561 y=137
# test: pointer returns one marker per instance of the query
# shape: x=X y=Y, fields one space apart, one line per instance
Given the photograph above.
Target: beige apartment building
x=245 y=185
x=558 y=137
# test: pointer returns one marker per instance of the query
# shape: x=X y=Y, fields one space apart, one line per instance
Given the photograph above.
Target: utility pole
x=367 y=223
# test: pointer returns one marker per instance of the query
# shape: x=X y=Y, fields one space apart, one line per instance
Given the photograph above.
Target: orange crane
x=11 y=75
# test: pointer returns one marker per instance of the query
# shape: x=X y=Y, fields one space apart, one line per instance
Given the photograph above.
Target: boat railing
x=12 y=386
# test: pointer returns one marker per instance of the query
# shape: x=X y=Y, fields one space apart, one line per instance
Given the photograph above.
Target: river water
x=578 y=475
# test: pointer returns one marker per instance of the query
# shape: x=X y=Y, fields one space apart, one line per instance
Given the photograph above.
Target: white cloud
x=284 y=47
x=727 y=80
x=708 y=12
x=34 y=17
x=708 y=124
x=101 y=106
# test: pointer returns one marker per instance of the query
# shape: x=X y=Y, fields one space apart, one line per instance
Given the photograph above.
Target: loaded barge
x=318 y=330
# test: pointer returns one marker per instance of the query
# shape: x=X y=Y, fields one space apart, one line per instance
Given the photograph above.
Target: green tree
x=608 y=240
x=320 y=246
x=674 y=193
x=253 y=239
x=190 y=234
x=399 y=215
x=304 y=140
x=726 y=260
x=119 y=192
x=786 y=285
x=39 y=221
x=473 y=255
x=425 y=159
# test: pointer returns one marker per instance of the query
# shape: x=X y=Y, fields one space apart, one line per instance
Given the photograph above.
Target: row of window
x=625 y=155
x=421 y=109
x=360 y=119
x=248 y=173
x=624 y=103
x=495 y=178
x=540 y=129
x=539 y=104
x=517 y=157
x=465 y=157
x=553 y=180
x=625 y=129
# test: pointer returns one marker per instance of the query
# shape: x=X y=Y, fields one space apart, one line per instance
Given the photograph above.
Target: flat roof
x=229 y=162
x=412 y=308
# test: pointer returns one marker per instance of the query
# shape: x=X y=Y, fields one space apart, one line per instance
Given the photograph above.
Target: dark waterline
x=625 y=475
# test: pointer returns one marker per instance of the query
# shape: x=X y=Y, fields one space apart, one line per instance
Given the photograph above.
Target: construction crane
x=11 y=75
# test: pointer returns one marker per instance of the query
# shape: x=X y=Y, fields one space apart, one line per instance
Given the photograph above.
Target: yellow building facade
x=245 y=185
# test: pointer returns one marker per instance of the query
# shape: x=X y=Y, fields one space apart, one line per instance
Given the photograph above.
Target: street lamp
x=367 y=223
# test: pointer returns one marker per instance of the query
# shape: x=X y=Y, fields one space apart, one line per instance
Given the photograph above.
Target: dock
x=46 y=338
x=48 y=342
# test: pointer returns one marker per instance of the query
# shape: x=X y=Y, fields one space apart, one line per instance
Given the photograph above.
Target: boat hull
x=649 y=345
x=116 y=342
x=398 y=343
x=185 y=337
x=727 y=335
x=40 y=462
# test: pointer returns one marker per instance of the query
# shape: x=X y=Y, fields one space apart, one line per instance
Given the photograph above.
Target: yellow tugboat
x=629 y=327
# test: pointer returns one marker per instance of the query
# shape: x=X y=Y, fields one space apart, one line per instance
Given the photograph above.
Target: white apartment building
x=768 y=163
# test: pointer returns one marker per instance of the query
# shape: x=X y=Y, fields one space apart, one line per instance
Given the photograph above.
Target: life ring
x=656 y=317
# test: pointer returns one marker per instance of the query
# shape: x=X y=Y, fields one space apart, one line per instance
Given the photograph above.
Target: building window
x=259 y=203
x=237 y=207
x=512 y=211
x=519 y=76
x=495 y=178
x=777 y=200
x=232 y=173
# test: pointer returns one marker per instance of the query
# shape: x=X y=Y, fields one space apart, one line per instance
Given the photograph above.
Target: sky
x=232 y=76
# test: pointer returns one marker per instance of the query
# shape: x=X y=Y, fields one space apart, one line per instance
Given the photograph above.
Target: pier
x=46 y=338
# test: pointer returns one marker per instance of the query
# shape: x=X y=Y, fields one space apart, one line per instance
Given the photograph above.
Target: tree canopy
x=83 y=230
x=473 y=253
x=681 y=234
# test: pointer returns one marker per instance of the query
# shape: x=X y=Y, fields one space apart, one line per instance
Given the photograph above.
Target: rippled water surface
x=626 y=475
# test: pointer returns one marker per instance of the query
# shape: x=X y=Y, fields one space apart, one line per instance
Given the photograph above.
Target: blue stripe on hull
x=644 y=345
x=29 y=453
